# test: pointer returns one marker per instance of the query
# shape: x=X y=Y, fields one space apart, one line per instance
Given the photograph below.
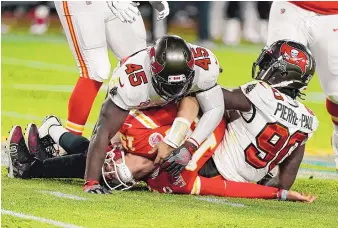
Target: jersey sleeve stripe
x=83 y=67
x=143 y=119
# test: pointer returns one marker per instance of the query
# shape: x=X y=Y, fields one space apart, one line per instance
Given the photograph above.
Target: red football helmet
x=115 y=173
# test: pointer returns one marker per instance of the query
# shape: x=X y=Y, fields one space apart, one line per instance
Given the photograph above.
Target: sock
x=74 y=144
x=80 y=104
x=332 y=109
x=56 y=132
x=68 y=166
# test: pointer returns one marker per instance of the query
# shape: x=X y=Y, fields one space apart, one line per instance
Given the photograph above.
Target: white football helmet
x=115 y=173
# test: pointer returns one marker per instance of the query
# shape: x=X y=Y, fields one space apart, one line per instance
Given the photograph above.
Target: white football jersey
x=130 y=86
x=258 y=140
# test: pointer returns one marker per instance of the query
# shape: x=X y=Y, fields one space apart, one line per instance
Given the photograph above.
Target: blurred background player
x=314 y=24
x=236 y=20
x=91 y=27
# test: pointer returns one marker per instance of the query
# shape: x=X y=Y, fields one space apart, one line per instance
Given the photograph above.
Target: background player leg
x=325 y=50
x=124 y=39
x=85 y=31
x=285 y=22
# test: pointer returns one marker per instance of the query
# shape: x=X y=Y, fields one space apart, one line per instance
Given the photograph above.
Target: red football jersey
x=145 y=128
x=326 y=8
x=189 y=182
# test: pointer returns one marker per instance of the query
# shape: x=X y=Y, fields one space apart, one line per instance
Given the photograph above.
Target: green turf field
x=38 y=74
x=145 y=209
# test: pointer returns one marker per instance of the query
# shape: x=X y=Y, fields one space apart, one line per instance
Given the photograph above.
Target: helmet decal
x=191 y=62
x=294 y=56
x=156 y=67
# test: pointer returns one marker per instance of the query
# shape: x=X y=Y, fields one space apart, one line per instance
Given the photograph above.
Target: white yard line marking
x=219 y=201
x=38 y=64
x=313 y=97
x=12 y=38
x=64 y=195
x=44 y=220
x=329 y=175
x=32 y=117
x=51 y=88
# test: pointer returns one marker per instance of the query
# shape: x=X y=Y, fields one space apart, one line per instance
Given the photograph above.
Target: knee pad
x=99 y=71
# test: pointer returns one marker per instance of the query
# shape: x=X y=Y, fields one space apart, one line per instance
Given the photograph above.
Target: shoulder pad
x=207 y=68
x=126 y=88
x=258 y=92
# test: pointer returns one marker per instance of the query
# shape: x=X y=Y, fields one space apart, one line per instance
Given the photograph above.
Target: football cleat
x=49 y=121
x=45 y=138
x=19 y=157
x=33 y=142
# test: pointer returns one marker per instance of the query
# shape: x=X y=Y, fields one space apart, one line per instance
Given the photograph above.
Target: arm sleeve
x=221 y=187
x=212 y=105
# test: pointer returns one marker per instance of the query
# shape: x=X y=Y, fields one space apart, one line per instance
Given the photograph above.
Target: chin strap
x=125 y=174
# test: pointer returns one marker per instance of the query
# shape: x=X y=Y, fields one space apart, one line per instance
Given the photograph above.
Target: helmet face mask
x=172 y=67
x=172 y=90
x=286 y=65
x=115 y=173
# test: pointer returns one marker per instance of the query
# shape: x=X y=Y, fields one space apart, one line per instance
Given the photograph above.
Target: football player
x=164 y=72
x=314 y=24
x=91 y=27
x=268 y=127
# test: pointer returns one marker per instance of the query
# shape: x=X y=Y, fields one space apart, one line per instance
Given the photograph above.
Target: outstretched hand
x=302 y=197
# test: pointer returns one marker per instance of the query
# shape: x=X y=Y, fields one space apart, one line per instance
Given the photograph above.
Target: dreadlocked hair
x=292 y=92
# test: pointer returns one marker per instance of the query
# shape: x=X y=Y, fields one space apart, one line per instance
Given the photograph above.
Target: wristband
x=284 y=193
x=177 y=132
x=281 y=194
x=193 y=141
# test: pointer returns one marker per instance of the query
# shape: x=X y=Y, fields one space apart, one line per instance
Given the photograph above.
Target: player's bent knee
x=100 y=72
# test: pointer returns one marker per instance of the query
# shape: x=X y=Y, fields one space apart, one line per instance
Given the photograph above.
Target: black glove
x=95 y=188
x=178 y=159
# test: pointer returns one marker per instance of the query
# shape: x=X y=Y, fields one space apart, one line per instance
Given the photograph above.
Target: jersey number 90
x=275 y=143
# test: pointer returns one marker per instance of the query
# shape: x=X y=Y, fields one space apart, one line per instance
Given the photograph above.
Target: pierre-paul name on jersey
x=288 y=114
